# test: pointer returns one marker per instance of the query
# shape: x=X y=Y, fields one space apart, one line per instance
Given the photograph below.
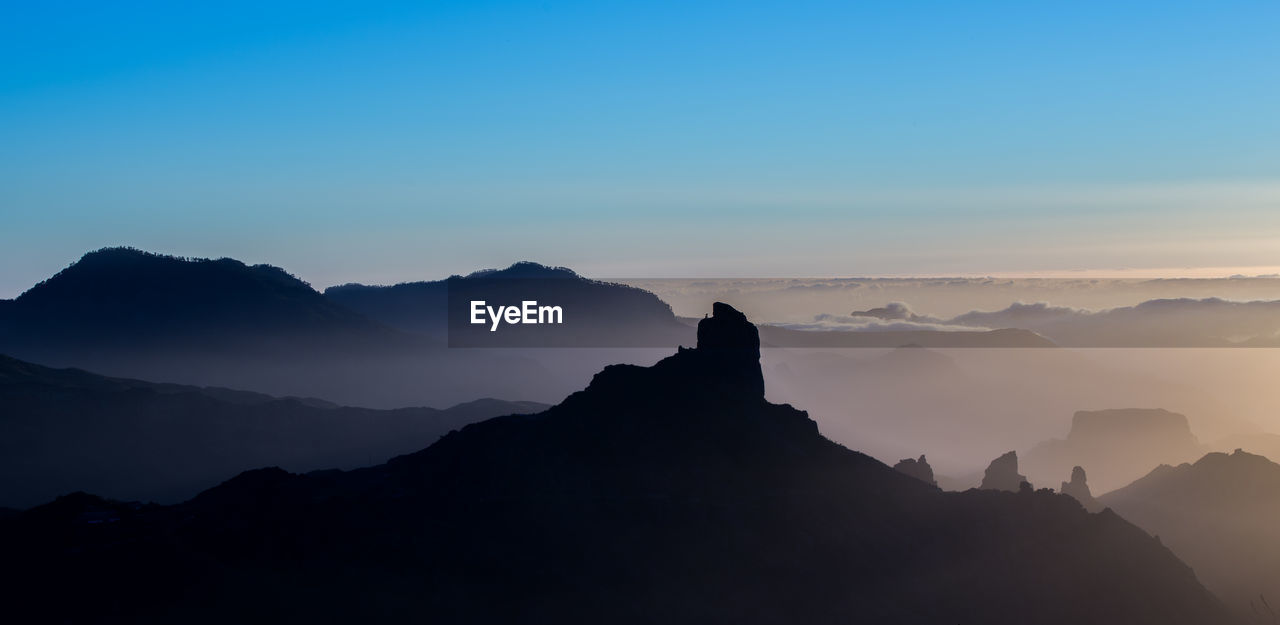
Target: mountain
x=1252 y=441
x=1115 y=446
x=597 y=313
x=1165 y=322
x=1171 y=322
x=129 y=300
x=1221 y=515
x=127 y=313
x=63 y=430
x=670 y=493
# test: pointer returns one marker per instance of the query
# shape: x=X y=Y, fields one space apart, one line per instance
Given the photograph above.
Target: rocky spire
x=1002 y=474
x=1078 y=488
x=731 y=345
x=918 y=469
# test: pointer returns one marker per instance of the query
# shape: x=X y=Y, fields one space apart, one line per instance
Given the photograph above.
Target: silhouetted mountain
x=1221 y=515
x=597 y=314
x=128 y=313
x=918 y=469
x=1117 y=446
x=63 y=430
x=1078 y=488
x=1254 y=442
x=674 y=493
x=126 y=299
x=1002 y=474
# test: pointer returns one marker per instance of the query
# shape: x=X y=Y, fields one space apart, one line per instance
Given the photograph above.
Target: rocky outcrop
x=1078 y=488
x=730 y=347
x=1002 y=474
x=917 y=468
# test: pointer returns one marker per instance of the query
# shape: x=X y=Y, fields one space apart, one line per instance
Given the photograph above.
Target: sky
x=380 y=142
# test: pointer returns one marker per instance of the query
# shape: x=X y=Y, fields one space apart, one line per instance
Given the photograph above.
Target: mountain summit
x=123 y=300
x=674 y=493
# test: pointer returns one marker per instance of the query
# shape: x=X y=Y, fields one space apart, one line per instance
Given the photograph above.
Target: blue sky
x=382 y=141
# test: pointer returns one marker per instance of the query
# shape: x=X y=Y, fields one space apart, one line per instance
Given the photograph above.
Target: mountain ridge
x=671 y=493
x=1221 y=514
x=69 y=429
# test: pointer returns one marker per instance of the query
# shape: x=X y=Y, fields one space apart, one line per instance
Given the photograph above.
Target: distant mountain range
x=64 y=430
x=125 y=312
x=1174 y=322
x=128 y=301
x=674 y=493
x=1169 y=322
x=1221 y=515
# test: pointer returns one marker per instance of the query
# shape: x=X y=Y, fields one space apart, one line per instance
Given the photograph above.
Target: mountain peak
x=128 y=301
x=728 y=328
x=114 y=272
x=731 y=344
x=526 y=269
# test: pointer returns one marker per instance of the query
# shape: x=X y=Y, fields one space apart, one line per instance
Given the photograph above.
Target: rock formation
x=918 y=469
x=1078 y=488
x=1002 y=474
x=1118 y=445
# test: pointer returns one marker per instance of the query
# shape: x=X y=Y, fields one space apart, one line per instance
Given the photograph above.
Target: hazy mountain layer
x=673 y=493
x=1115 y=446
x=129 y=313
x=63 y=430
x=1221 y=515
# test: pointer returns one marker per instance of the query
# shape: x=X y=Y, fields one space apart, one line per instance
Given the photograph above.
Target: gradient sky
x=380 y=142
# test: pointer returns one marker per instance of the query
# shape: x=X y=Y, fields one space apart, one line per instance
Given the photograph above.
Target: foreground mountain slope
x=673 y=493
x=63 y=430
x=1221 y=515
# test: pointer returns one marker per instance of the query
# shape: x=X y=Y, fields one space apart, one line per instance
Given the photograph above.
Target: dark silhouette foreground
x=65 y=430
x=673 y=493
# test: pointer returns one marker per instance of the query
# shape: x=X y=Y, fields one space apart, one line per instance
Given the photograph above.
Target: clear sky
x=380 y=142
